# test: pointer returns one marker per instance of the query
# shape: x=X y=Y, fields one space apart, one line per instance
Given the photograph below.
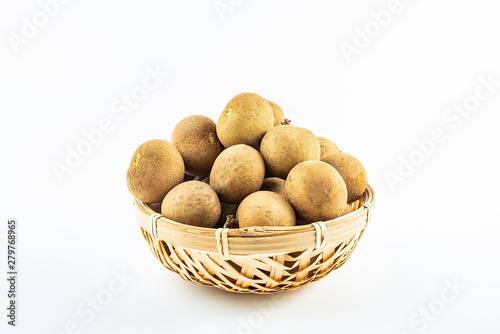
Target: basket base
x=253 y=274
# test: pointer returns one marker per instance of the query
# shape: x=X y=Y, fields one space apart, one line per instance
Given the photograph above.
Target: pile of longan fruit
x=252 y=168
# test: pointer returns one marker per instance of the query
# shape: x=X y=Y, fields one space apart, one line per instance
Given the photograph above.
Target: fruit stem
x=231 y=222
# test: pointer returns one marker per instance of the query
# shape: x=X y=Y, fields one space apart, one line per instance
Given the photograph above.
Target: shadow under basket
x=257 y=259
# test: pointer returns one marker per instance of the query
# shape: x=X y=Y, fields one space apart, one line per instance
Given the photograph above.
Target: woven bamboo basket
x=259 y=260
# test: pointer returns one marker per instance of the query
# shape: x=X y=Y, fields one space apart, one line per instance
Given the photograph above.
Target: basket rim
x=257 y=239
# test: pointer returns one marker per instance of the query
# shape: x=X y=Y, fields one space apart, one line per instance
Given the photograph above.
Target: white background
x=438 y=225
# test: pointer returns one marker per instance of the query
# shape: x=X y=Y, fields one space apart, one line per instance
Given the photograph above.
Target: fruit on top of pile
x=245 y=120
x=252 y=168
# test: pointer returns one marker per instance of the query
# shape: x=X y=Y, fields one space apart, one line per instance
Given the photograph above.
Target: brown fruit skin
x=351 y=170
x=348 y=209
x=196 y=139
x=265 y=208
x=237 y=172
x=192 y=203
x=274 y=184
x=327 y=146
x=279 y=116
x=156 y=167
x=284 y=146
x=316 y=191
x=226 y=210
x=245 y=120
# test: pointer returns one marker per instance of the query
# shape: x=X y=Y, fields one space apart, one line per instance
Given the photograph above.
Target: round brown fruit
x=274 y=184
x=279 y=116
x=192 y=203
x=284 y=146
x=265 y=208
x=351 y=170
x=156 y=167
x=327 y=146
x=196 y=139
x=316 y=191
x=237 y=172
x=245 y=120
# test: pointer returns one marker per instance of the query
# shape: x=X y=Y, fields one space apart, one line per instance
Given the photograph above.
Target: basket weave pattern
x=255 y=260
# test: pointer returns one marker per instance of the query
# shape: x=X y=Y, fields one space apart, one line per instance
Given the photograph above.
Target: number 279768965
x=11 y=248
